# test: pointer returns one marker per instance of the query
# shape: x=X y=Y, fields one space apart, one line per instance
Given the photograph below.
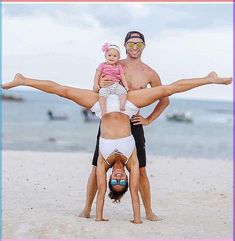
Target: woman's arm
x=133 y=166
x=102 y=186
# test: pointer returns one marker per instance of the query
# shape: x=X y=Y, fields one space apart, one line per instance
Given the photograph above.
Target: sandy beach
x=44 y=192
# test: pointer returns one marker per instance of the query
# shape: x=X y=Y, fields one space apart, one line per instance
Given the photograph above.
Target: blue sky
x=63 y=41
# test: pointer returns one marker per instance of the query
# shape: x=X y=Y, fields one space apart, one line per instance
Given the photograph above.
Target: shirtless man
x=138 y=76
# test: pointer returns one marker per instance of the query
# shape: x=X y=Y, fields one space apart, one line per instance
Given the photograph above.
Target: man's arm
x=96 y=86
x=105 y=81
x=159 y=108
x=124 y=82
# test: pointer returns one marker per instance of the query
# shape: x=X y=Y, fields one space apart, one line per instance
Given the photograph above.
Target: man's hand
x=96 y=88
x=105 y=81
x=139 y=119
x=126 y=87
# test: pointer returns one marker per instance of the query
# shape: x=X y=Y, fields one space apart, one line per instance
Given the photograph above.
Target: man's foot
x=85 y=214
x=136 y=221
x=152 y=217
x=18 y=80
x=215 y=79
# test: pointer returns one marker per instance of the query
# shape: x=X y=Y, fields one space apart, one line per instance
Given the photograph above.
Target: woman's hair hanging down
x=116 y=196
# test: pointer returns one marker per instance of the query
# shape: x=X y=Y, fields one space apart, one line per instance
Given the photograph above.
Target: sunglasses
x=131 y=45
x=121 y=182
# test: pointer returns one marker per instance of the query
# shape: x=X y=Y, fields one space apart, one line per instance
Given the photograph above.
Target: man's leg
x=144 y=188
x=90 y=193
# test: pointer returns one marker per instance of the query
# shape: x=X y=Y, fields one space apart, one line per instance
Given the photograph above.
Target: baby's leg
x=103 y=102
x=123 y=99
x=122 y=93
x=103 y=95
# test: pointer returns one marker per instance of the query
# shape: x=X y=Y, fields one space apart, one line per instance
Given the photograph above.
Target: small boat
x=180 y=117
x=12 y=98
x=52 y=116
x=89 y=116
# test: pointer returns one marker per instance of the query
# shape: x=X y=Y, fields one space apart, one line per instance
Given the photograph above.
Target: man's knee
x=92 y=176
x=143 y=173
x=93 y=171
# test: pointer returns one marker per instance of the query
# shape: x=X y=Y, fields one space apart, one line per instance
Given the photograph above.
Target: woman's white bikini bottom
x=125 y=146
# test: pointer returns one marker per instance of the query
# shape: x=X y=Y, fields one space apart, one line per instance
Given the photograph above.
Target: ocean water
x=26 y=126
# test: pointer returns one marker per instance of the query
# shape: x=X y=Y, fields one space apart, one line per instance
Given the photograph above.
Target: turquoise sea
x=26 y=126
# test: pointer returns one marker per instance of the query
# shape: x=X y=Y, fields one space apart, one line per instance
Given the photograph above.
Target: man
x=138 y=76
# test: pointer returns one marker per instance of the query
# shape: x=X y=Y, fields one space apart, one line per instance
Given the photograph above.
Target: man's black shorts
x=138 y=133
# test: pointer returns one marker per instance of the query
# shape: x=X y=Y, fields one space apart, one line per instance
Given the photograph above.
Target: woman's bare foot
x=215 y=79
x=85 y=214
x=18 y=80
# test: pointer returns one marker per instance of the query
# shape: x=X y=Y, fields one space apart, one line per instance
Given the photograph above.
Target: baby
x=115 y=71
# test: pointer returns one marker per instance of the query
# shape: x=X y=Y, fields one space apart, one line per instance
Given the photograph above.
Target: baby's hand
x=96 y=88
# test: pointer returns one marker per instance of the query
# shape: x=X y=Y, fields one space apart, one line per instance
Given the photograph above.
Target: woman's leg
x=85 y=98
x=144 y=97
x=123 y=99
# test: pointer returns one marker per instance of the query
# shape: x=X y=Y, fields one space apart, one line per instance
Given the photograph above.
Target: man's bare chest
x=137 y=80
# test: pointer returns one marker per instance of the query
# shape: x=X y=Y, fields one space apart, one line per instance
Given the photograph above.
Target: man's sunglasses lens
x=131 y=45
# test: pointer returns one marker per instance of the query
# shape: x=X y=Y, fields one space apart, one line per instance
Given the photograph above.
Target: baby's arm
x=96 y=86
x=124 y=82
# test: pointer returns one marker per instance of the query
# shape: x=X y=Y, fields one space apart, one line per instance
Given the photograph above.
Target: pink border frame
x=123 y=1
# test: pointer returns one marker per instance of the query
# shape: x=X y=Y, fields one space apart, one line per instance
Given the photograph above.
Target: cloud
x=67 y=41
x=153 y=17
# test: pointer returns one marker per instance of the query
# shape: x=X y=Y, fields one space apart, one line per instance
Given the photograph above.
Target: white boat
x=12 y=98
x=180 y=117
x=53 y=116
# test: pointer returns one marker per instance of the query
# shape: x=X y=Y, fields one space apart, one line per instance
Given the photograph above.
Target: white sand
x=43 y=193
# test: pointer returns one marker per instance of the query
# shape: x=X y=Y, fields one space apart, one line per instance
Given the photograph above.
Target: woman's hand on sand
x=139 y=120
x=96 y=88
x=101 y=219
x=136 y=221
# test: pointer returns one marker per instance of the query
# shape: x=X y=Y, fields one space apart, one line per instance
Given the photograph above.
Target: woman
x=116 y=142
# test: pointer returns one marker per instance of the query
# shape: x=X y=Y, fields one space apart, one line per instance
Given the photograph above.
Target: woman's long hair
x=116 y=196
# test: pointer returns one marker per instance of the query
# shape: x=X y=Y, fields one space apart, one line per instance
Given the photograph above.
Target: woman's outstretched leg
x=85 y=98
x=144 y=97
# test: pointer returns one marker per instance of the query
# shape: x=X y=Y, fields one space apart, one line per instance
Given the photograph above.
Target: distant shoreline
x=149 y=155
x=175 y=97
